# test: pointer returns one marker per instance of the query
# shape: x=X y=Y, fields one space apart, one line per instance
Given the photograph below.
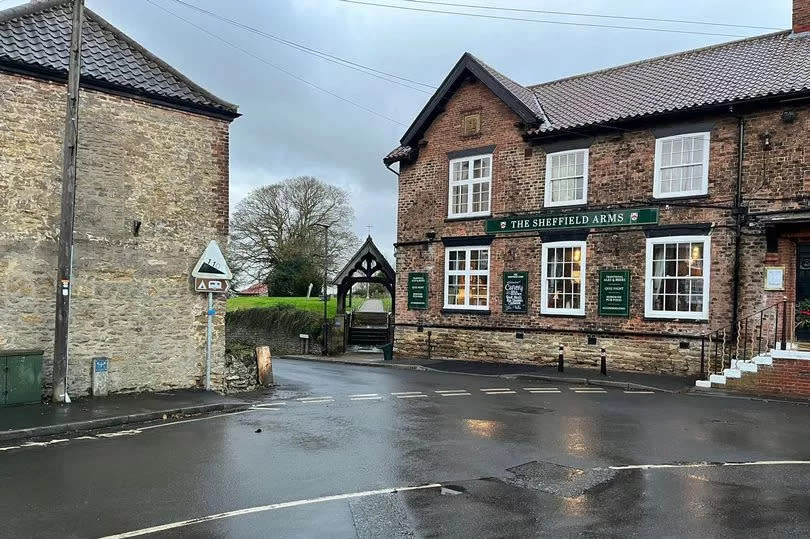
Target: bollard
x=603 y=360
x=429 y=346
x=560 y=360
x=264 y=365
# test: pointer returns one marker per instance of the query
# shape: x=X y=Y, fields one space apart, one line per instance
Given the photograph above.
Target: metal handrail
x=733 y=342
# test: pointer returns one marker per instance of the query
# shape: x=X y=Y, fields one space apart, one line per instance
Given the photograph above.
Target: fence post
x=702 y=357
x=603 y=361
x=560 y=360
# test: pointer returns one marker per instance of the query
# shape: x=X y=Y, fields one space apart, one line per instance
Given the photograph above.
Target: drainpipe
x=738 y=217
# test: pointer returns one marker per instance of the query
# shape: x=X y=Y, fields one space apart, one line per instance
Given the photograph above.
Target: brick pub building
x=612 y=209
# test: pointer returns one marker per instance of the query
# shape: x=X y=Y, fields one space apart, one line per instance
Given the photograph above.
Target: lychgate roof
x=36 y=38
x=771 y=65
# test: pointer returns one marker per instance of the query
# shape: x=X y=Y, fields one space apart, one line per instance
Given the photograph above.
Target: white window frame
x=544 y=309
x=648 y=289
x=469 y=183
x=704 y=189
x=467 y=272
x=548 y=191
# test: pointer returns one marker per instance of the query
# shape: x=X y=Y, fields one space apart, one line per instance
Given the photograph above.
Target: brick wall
x=620 y=173
x=786 y=377
x=132 y=297
x=801 y=16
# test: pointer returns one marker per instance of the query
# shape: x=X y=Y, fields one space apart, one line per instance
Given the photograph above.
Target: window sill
x=467 y=218
x=563 y=315
x=680 y=197
x=561 y=206
x=648 y=318
x=482 y=312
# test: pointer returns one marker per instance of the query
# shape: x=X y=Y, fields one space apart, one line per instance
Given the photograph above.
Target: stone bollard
x=264 y=365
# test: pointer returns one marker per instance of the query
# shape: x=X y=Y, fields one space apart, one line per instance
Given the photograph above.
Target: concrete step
x=732 y=373
x=747 y=367
x=703 y=383
x=717 y=379
x=763 y=360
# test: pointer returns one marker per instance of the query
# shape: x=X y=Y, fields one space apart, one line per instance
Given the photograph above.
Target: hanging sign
x=614 y=293
x=515 y=291
x=418 y=291
x=211 y=264
x=582 y=219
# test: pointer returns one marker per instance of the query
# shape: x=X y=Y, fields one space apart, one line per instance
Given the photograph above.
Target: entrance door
x=803 y=285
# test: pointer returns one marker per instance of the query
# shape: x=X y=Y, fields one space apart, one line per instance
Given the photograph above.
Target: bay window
x=466 y=278
x=677 y=277
x=563 y=278
x=469 y=192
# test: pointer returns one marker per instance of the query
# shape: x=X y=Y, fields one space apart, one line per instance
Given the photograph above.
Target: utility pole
x=65 y=258
x=325 y=329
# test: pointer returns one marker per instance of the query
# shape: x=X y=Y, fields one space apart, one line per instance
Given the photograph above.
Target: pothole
x=557 y=479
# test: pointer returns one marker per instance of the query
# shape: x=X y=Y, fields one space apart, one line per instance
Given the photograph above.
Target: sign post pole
x=208 y=340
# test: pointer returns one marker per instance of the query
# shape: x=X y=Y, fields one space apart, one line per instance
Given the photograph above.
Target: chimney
x=801 y=16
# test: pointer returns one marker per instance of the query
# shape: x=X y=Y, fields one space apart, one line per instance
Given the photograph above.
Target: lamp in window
x=577 y=255
x=460 y=297
x=576 y=275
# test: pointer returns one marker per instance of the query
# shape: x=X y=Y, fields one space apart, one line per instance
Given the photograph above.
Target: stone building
x=152 y=191
x=611 y=209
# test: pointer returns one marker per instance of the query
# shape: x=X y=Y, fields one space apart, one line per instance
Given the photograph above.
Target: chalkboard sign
x=418 y=291
x=614 y=293
x=515 y=291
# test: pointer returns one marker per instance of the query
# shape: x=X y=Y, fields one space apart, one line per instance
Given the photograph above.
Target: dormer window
x=681 y=166
x=470 y=179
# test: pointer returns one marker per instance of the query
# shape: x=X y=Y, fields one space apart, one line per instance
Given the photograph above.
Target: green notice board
x=515 y=291
x=418 y=291
x=614 y=293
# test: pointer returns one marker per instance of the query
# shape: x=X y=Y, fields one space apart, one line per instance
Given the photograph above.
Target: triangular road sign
x=212 y=265
x=201 y=286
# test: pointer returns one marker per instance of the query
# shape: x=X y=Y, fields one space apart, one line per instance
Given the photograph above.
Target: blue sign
x=101 y=364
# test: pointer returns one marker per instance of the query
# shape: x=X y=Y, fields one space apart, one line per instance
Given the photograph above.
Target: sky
x=290 y=129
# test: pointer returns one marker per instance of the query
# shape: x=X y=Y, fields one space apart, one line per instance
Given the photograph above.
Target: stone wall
x=621 y=168
x=281 y=341
x=132 y=295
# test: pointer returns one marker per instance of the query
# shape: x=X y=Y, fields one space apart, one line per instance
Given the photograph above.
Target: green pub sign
x=582 y=219
x=418 y=291
x=515 y=291
x=614 y=293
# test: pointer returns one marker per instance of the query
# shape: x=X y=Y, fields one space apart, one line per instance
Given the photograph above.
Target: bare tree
x=277 y=222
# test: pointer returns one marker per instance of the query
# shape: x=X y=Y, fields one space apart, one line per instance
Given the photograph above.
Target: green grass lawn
x=312 y=304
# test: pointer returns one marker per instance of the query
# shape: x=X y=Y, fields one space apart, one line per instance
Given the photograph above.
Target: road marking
x=266 y=404
x=640 y=392
x=410 y=396
x=206 y=418
x=455 y=394
x=544 y=390
x=263 y=508
x=365 y=398
x=321 y=401
x=710 y=464
x=588 y=390
x=497 y=389
x=9 y=448
x=442 y=391
x=365 y=395
x=85 y=438
x=304 y=399
x=507 y=392
x=406 y=393
x=539 y=388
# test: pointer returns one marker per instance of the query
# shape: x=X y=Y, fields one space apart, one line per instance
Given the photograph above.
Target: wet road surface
x=514 y=458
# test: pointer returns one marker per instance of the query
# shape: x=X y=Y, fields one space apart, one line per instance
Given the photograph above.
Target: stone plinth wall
x=646 y=354
x=241 y=371
x=280 y=341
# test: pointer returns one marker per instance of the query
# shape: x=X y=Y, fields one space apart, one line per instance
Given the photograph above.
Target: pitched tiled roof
x=36 y=37
x=771 y=65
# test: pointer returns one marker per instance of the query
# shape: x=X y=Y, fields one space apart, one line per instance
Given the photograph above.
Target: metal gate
x=20 y=376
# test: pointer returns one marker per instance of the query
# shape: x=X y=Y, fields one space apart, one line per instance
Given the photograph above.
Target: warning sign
x=212 y=265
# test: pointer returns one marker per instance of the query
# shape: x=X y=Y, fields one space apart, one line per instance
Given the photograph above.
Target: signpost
x=515 y=291
x=614 y=293
x=417 y=291
x=211 y=275
x=565 y=221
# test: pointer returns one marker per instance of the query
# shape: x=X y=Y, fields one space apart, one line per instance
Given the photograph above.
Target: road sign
x=216 y=286
x=212 y=265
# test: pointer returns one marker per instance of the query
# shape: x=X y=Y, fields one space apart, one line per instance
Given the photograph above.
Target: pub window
x=470 y=179
x=566 y=178
x=677 y=277
x=681 y=165
x=466 y=278
x=562 y=286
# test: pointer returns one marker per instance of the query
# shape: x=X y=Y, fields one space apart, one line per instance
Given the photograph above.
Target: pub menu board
x=418 y=291
x=515 y=291
x=614 y=293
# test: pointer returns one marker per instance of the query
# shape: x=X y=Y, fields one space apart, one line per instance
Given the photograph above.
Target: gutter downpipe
x=738 y=209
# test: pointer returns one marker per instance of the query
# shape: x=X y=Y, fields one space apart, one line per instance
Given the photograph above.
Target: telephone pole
x=65 y=260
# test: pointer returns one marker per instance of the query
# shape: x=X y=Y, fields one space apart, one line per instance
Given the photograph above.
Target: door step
x=732 y=373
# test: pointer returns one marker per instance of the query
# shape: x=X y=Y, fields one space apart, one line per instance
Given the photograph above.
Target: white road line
x=508 y=392
x=406 y=393
x=304 y=399
x=85 y=438
x=497 y=389
x=640 y=392
x=539 y=388
x=9 y=448
x=455 y=394
x=589 y=390
x=322 y=401
x=364 y=395
x=263 y=508
x=442 y=391
x=266 y=404
x=365 y=398
x=206 y=418
x=710 y=464
x=410 y=396
x=263 y=409
x=544 y=391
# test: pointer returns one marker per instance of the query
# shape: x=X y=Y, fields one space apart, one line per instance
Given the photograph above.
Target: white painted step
x=717 y=379
x=703 y=383
x=732 y=373
x=763 y=360
x=747 y=367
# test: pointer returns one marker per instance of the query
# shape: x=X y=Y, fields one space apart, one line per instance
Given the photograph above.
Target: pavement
x=351 y=451
x=571 y=375
x=372 y=306
x=36 y=420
